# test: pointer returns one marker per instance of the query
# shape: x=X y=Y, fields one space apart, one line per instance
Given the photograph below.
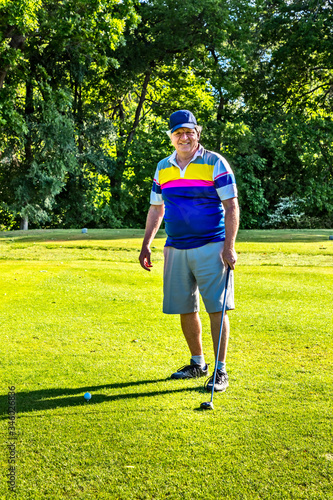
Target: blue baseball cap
x=182 y=118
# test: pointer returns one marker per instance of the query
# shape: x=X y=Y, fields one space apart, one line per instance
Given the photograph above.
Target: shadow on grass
x=48 y=399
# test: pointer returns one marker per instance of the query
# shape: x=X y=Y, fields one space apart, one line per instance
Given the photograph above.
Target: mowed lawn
x=78 y=314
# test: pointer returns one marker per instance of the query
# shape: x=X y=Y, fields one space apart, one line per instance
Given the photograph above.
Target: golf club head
x=207 y=406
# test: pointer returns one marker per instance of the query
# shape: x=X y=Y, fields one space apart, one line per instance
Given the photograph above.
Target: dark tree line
x=86 y=88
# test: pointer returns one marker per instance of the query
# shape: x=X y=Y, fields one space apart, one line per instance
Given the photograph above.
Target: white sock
x=221 y=365
x=199 y=360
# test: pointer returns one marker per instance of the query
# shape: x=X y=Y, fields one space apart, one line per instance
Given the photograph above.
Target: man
x=194 y=190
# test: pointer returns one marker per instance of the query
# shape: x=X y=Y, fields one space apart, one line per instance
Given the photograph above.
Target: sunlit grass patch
x=81 y=315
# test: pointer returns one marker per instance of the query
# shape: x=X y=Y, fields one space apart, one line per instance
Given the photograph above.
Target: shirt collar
x=199 y=152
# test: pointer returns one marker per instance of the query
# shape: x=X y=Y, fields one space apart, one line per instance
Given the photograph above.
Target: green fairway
x=79 y=314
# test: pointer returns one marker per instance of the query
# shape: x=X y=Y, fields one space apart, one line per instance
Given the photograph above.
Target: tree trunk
x=220 y=109
x=16 y=42
x=29 y=109
x=219 y=119
x=116 y=178
x=24 y=224
x=3 y=73
x=139 y=109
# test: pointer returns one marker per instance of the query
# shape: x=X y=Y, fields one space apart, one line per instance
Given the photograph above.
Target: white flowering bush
x=288 y=213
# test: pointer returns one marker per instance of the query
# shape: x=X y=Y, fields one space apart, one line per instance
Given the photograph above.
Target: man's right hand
x=154 y=219
x=144 y=258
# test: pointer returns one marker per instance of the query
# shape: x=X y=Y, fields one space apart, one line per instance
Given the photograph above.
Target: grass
x=78 y=314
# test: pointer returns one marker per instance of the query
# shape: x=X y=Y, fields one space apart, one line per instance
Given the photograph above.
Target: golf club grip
x=227 y=278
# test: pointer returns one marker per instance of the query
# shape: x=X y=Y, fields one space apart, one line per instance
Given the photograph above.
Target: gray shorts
x=188 y=272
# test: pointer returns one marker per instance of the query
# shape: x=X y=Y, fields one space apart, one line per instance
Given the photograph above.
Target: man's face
x=185 y=141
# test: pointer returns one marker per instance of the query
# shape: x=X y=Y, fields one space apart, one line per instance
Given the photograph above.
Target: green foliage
x=86 y=89
x=296 y=36
x=144 y=155
x=251 y=193
x=35 y=168
x=55 y=121
x=7 y=221
x=23 y=14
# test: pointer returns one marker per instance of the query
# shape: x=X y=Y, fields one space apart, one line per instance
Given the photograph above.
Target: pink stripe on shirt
x=187 y=183
x=220 y=175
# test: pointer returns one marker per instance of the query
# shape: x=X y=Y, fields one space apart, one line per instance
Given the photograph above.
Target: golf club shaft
x=221 y=329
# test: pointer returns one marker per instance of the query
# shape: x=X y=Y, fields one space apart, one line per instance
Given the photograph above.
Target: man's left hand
x=229 y=257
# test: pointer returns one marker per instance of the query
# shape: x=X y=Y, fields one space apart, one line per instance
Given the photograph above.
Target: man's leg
x=210 y=274
x=192 y=330
x=215 y=325
x=221 y=382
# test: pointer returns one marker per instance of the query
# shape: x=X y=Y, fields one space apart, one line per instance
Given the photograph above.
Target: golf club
x=209 y=404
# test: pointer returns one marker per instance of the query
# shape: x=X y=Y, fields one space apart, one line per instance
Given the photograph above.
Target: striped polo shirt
x=194 y=214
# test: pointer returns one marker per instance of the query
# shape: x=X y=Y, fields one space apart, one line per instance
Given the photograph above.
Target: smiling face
x=185 y=141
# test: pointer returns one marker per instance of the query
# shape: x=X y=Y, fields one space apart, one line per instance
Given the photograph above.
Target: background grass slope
x=79 y=314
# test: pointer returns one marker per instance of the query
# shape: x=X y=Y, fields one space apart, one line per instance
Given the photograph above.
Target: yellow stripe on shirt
x=195 y=171
x=171 y=173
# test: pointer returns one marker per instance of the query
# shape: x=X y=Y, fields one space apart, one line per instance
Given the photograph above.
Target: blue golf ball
x=87 y=396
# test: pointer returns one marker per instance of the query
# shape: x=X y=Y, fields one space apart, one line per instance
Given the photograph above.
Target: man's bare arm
x=153 y=223
x=231 y=221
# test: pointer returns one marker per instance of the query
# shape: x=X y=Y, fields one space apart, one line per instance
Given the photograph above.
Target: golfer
x=194 y=190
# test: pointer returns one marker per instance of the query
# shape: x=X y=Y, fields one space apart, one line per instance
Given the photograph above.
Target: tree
x=43 y=96
x=87 y=93
x=288 y=91
x=17 y=21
